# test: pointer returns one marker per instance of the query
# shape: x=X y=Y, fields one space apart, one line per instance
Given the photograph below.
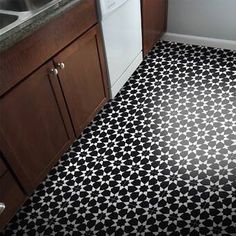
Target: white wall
x=204 y=18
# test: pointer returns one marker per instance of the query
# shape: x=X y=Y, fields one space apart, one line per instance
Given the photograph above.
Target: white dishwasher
x=122 y=35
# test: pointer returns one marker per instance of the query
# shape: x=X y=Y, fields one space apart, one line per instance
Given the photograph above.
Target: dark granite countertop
x=33 y=23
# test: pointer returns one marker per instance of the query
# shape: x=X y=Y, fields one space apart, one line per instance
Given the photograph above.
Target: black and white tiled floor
x=160 y=159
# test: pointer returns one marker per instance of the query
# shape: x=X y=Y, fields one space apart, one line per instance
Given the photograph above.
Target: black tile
x=159 y=159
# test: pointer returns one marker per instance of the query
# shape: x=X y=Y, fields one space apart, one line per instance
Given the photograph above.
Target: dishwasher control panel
x=108 y=6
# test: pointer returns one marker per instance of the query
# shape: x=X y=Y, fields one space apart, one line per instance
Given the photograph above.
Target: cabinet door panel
x=34 y=127
x=11 y=195
x=154 y=16
x=82 y=79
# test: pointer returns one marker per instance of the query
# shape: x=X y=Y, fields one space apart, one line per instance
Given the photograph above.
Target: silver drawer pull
x=53 y=72
x=2 y=207
x=60 y=65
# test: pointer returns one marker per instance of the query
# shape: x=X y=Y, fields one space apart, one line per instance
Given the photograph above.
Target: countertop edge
x=15 y=35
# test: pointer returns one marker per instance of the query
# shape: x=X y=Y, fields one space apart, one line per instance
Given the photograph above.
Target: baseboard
x=203 y=41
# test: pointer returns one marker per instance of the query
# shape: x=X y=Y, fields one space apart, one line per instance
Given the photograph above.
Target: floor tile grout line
x=141 y=229
x=196 y=224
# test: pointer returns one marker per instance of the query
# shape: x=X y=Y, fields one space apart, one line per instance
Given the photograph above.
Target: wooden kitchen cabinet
x=154 y=18
x=11 y=195
x=43 y=44
x=82 y=78
x=36 y=130
x=50 y=89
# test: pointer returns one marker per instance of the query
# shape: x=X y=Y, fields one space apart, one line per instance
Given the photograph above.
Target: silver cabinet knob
x=53 y=71
x=2 y=207
x=60 y=65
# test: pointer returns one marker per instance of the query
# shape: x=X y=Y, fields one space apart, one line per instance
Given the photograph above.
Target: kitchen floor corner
x=160 y=159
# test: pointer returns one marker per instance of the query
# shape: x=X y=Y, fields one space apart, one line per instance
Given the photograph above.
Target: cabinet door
x=34 y=129
x=12 y=197
x=83 y=78
x=154 y=16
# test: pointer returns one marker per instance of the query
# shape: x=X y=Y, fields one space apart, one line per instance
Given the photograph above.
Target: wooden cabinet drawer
x=3 y=167
x=11 y=195
x=27 y=55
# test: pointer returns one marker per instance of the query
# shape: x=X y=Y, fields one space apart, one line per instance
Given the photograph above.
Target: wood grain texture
x=26 y=56
x=37 y=109
x=3 y=167
x=11 y=195
x=82 y=80
x=154 y=17
x=34 y=128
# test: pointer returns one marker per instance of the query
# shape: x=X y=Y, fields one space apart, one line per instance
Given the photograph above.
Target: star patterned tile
x=159 y=159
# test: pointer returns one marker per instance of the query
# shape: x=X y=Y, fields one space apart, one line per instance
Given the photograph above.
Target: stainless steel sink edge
x=26 y=15
x=21 y=17
x=31 y=24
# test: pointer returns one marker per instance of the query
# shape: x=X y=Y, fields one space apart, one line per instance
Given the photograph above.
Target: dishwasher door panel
x=122 y=37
